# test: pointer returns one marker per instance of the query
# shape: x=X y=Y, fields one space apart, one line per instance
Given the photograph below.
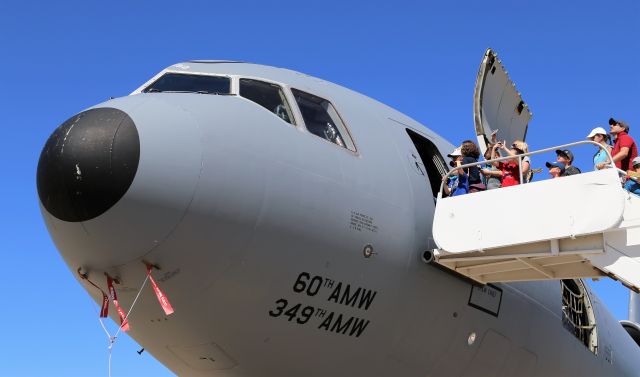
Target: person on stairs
x=633 y=176
x=565 y=157
x=600 y=159
x=470 y=154
x=625 y=149
x=458 y=182
x=508 y=170
x=555 y=169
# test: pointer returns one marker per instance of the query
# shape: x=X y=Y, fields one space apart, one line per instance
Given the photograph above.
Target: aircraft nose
x=88 y=164
x=115 y=181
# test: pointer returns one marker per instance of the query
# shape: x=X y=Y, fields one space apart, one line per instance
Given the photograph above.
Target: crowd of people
x=617 y=143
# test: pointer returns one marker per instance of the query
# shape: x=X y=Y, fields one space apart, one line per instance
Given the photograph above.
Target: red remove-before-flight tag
x=104 y=309
x=124 y=322
x=162 y=298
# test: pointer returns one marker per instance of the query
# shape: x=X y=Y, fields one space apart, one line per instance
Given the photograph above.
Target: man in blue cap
x=556 y=169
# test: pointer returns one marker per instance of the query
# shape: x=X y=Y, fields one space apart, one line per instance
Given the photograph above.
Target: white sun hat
x=456 y=152
x=595 y=131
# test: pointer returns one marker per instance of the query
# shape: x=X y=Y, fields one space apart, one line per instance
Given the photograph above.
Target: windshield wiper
x=214 y=93
x=155 y=90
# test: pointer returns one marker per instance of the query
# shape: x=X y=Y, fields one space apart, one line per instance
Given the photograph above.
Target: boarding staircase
x=580 y=226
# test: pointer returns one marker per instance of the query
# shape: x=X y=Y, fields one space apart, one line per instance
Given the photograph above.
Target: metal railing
x=521 y=156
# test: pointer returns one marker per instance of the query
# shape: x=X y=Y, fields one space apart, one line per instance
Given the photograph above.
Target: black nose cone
x=88 y=164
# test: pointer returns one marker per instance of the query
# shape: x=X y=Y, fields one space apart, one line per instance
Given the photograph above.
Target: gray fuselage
x=249 y=216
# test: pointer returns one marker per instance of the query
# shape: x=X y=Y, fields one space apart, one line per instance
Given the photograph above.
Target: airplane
x=290 y=221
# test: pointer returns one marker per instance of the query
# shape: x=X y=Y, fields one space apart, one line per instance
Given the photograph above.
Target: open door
x=432 y=160
x=497 y=105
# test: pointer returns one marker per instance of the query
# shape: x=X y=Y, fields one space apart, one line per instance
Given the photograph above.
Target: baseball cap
x=565 y=152
x=636 y=161
x=456 y=152
x=555 y=164
x=596 y=131
x=622 y=123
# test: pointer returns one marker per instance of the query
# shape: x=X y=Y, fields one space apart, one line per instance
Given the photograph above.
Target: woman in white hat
x=600 y=159
x=458 y=183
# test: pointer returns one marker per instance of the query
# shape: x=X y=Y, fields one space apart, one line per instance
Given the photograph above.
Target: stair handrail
x=611 y=164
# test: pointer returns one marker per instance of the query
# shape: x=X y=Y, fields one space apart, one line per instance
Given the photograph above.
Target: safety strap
x=124 y=318
x=124 y=321
x=104 y=309
x=162 y=298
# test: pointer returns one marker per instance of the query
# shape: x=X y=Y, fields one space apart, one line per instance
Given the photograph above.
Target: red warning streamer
x=104 y=309
x=162 y=298
x=124 y=322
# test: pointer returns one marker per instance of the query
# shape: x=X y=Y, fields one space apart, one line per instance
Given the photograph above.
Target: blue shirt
x=632 y=186
x=459 y=185
x=599 y=158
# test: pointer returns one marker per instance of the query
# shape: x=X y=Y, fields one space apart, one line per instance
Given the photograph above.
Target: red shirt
x=510 y=173
x=624 y=140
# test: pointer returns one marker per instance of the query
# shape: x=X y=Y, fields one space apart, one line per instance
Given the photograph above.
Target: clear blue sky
x=576 y=63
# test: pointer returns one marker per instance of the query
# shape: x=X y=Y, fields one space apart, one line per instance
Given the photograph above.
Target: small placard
x=486 y=298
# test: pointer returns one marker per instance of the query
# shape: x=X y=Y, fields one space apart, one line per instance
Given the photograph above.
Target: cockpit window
x=178 y=82
x=322 y=120
x=270 y=96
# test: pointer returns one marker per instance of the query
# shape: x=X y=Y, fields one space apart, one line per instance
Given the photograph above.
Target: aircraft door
x=499 y=113
x=425 y=167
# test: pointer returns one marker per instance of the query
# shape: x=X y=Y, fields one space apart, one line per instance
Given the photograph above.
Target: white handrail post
x=520 y=168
